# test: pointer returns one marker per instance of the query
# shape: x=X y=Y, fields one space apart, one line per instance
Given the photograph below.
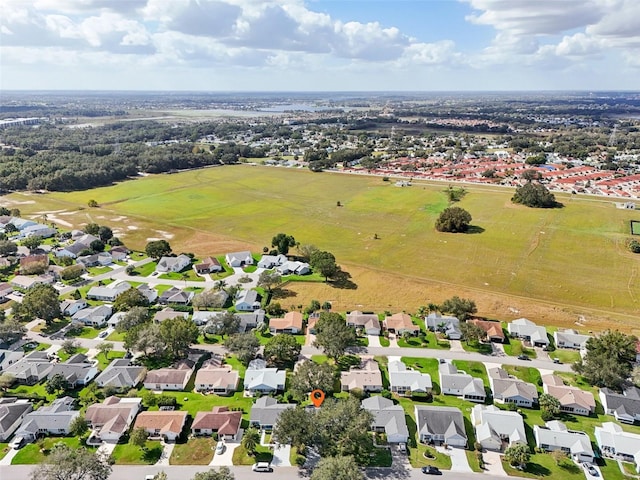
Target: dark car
x=431 y=470
x=523 y=357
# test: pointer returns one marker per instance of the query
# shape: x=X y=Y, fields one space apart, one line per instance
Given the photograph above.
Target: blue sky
x=279 y=45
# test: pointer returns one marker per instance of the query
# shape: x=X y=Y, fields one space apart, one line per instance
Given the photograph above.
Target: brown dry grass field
x=556 y=267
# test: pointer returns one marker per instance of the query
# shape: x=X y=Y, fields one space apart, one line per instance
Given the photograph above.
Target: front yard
x=127 y=454
x=242 y=457
x=196 y=451
x=35 y=453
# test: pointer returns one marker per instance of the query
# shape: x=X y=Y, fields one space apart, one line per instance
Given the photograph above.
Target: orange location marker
x=317 y=397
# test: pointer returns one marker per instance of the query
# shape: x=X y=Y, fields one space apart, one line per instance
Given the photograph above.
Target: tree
x=92 y=203
x=72 y=272
x=160 y=476
x=32 y=243
x=333 y=335
x=130 y=298
x=6 y=380
x=609 y=359
x=222 y=473
x=244 y=345
x=282 y=349
x=471 y=332
x=324 y=263
x=104 y=348
x=70 y=346
x=134 y=317
x=453 y=220
x=549 y=406
x=268 y=280
x=78 y=426
x=56 y=383
x=97 y=246
x=66 y=463
x=7 y=247
x=283 y=242
x=138 y=437
x=462 y=308
x=207 y=299
x=41 y=301
x=226 y=324
x=250 y=440
x=337 y=468
x=157 y=249
x=92 y=229
x=178 y=334
x=517 y=455
x=10 y=329
x=306 y=250
x=558 y=456
x=535 y=195
x=310 y=376
x=105 y=233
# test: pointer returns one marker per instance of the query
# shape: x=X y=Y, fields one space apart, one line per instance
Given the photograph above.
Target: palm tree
x=250 y=440
x=422 y=311
x=220 y=285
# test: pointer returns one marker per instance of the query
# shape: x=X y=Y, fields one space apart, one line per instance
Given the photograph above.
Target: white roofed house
x=107 y=294
x=150 y=293
x=221 y=380
x=270 y=261
x=616 y=443
x=460 y=384
x=260 y=380
x=173 y=264
x=70 y=307
x=570 y=339
x=529 y=332
x=388 y=418
x=405 y=381
x=508 y=389
x=54 y=419
x=247 y=300
x=293 y=268
x=555 y=436
x=12 y=413
x=93 y=316
x=121 y=374
x=239 y=259
x=30 y=369
x=176 y=296
x=497 y=429
x=450 y=326
x=625 y=406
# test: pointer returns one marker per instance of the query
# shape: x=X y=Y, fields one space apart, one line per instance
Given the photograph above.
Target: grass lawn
x=188 y=274
x=64 y=356
x=526 y=374
x=475 y=369
x=4 y=449
x=472 y=458
x=116 y=336
x=565 y=355
x=412 y=342
x=83 y=332
x=31 y=454
x=437 y=343
x=381 y=458
x=425 y=365
x=95 y=271
x=37 y=389
x=53 y=327
x=543 y=465
x=295 y=458
x=515 y=348
x=242 y=457
x=127 y=454
x=197 y=402
x=417 y=458
x=145 y=270
x=197 y=451
x=384 y=342
x=103 y=362
x=477 y=347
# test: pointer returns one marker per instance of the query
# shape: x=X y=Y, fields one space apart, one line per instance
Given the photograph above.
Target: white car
x=220 y=446
x=262 y=467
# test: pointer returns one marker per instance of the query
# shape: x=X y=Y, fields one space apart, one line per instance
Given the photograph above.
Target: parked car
x=220 y=447
x=431 y=470
x=402 y=448
x=590 y=469
x=556 y=360
x=262 y=467
x=103 y=334
x=523 y=357
x=17 y=443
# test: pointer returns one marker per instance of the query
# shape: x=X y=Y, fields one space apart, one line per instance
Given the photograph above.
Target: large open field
x=549 y=265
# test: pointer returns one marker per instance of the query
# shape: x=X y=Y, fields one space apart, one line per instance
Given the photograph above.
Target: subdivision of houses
x=221 y=421
x=572 y=399
x=399 y=323
x=175 y=295
x=168 y=313
x=221 y=380
x=9 y=357
x=529 y=332
x=239 y=259
x=163 y=424
x=260 y=379
x=570 y=339
x=625 y=406
x=365 y=377
x=493 y=330
x=93 y=316
x=54 y=419
x=449 y=326
x=12 y=413
x=175 y=377
x=30 y=369
x=247 y=301
x=556 y=436
x=509 y=389
x=71 y=307
x=207 y=265
x=460 y=384
x=405 y=381
x=290 y=323
x=173 y=264
x=265 y=412
x=368 y=322
x=616 y=443
x=78 y=371
x=271 y=261
x=388 y=418
x=107 y=294
x=112 y=418
x=440 y=425
x=293 y=268
x=497 y=429
x=121 y=374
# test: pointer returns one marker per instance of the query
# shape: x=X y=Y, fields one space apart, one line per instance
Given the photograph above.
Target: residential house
x=121 y=374
x=12 y=413
x=239 y=259
x=492 y=329
x=54 y=419
x=221 y=421
x=115 y=319
x=271 y=261
x=311 y=322
x=293 y=268
x=21 y=223
x=400 y=323
x=572 y=399
x=202 y=317
x=366 y=377
x=119 y=253
x=497 y=429
x=207 y=265
x=73 y=250
x=570 y=339
x=173 y=264
x=624 y=406
x=368 y=322
x=440 y=425
x=260 y=380
x=5 y=291
x=38 y=230
x=461 y=384
x=556 y=436
x=96 y=259
x=175 y=377
x=449 y=326
x=28 y=262
x=265 y=412
x=107 y=294
x=250 y=320
x=529 y=332
x=616 y=443
x=221 y=380
x=150 y=293
x=405 y=381
x=30 y=369
x=165 y=424
x=93 y=316
x=291 y=323
x=167 y=314
x=176 y=296
x=9 y=357
x=508 y=389
x=247 y=301
x=26 y=282
x=77 y=370
x=112 y=418
x=71 y=307
x=388 y=418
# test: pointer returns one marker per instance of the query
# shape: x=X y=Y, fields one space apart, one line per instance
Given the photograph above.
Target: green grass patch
x=526 y=374
x=565 y=355
x=187 y=275
x=381 y=458
x=196 y=451
x=83 y=332
x=104 y=362
x=242 y=457
x=295 y=458
x=474 y=463
x=196 y=402
x=475 y=369
x=384 y=342
x=515 y=348
x=95 y=271
x=542 y=465
x=32 y=390
x=116 y=336
x=33 y=453
x=64 y=356
x=127 y=454
x=53 y=327
x=477 y=347
x=412 y=342
x=145 y=270
x=418 y=459
x=4 y=449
